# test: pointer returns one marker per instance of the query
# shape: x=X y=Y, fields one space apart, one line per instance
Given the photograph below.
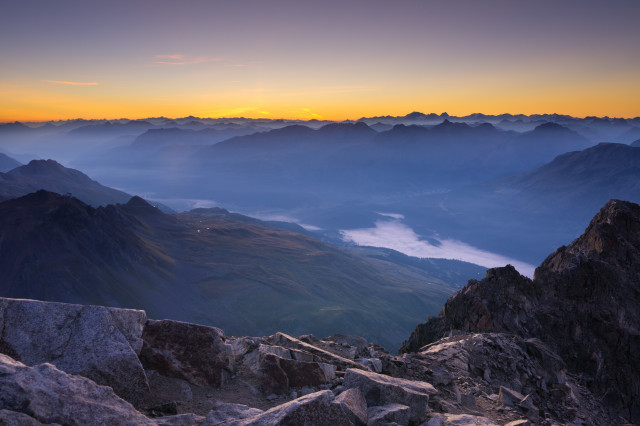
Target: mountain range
x=209 y=267
x=449 y=178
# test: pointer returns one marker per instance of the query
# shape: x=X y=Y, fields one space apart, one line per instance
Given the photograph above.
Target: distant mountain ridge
x=7 y=163
x=52 y=176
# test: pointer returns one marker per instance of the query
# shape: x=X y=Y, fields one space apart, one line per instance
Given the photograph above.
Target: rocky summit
x=505 y=350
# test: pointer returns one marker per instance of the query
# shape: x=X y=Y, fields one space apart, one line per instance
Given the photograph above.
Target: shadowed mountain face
x=584 y=301
x=244 y=277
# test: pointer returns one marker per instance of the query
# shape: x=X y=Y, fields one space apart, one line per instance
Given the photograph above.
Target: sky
x=331 y=59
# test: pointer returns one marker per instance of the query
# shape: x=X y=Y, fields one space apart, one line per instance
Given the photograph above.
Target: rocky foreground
x=506 y=350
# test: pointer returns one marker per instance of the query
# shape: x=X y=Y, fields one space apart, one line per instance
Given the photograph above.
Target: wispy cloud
x=73 y=83
x=283 y=218
x=396 y=216
x=172 y=57
x=235 y=112
x=398 y=236
x=178 y=59
x=308 y=114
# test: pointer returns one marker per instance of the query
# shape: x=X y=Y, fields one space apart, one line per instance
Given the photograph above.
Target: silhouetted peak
x=358 y=127
x=140 y=207
x=293 y=129
x=136 y=201
x=446 y=125
x=485 y=126
x=635 y=143
x=16 y=125
x=550 y=127
x=44 y=165
x=416 y=116
x=41 y=201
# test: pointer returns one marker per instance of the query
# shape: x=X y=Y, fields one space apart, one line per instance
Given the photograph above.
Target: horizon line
x=444 y=115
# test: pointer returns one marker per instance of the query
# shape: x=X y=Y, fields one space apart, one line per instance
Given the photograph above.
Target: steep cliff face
x=584 y=301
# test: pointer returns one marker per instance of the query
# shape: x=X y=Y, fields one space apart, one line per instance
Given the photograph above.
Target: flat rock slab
x=191 y=352
x=49 y=395
x=96 y=342
x=315 y=409
x=381 y=390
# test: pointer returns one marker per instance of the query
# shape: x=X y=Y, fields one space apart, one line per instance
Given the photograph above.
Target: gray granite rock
x=96 y=342
x=50 y=395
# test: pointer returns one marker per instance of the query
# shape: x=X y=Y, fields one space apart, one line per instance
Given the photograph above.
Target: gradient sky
x=323 y=59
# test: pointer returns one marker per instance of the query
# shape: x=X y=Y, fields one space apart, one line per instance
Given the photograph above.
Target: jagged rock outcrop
x=583 y=302
x=96 y=342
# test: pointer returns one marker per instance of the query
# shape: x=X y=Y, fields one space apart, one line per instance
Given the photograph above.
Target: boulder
x=388 y=414
x=223 y=413
x=273 y=379
x=314 y=409
x=382 y=390
x=280 y=368
x=50 y=395
x=96 y=342
x=302 y=373
x=192 y=352
x=254 y=359
x=354 y=405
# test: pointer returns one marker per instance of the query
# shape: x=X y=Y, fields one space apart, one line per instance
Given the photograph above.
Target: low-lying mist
x=396 y=235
